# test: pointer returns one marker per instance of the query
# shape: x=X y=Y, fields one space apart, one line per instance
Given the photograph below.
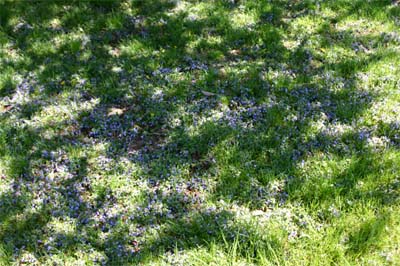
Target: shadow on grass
x=134 y=119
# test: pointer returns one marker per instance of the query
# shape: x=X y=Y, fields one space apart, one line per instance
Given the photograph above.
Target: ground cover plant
x=214 y=132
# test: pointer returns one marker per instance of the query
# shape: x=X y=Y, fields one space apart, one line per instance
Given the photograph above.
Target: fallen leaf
x=6 y=108
x=234 y=52
x=116 y=111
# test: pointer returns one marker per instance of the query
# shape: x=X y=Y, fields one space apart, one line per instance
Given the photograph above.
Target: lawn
x=213 y=132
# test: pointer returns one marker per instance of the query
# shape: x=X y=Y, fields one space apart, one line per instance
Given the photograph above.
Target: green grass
x=160 y=132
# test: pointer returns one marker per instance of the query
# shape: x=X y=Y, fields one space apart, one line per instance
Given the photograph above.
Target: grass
x=165 y=132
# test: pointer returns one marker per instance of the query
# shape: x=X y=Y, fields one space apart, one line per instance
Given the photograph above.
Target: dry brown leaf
x=115 y=111
x=234 y=52
x=6 y=108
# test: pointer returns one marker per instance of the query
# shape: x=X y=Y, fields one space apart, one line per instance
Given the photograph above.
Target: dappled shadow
x=221 y=118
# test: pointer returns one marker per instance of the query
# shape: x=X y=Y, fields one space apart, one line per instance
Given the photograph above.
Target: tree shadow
x=242 y=112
